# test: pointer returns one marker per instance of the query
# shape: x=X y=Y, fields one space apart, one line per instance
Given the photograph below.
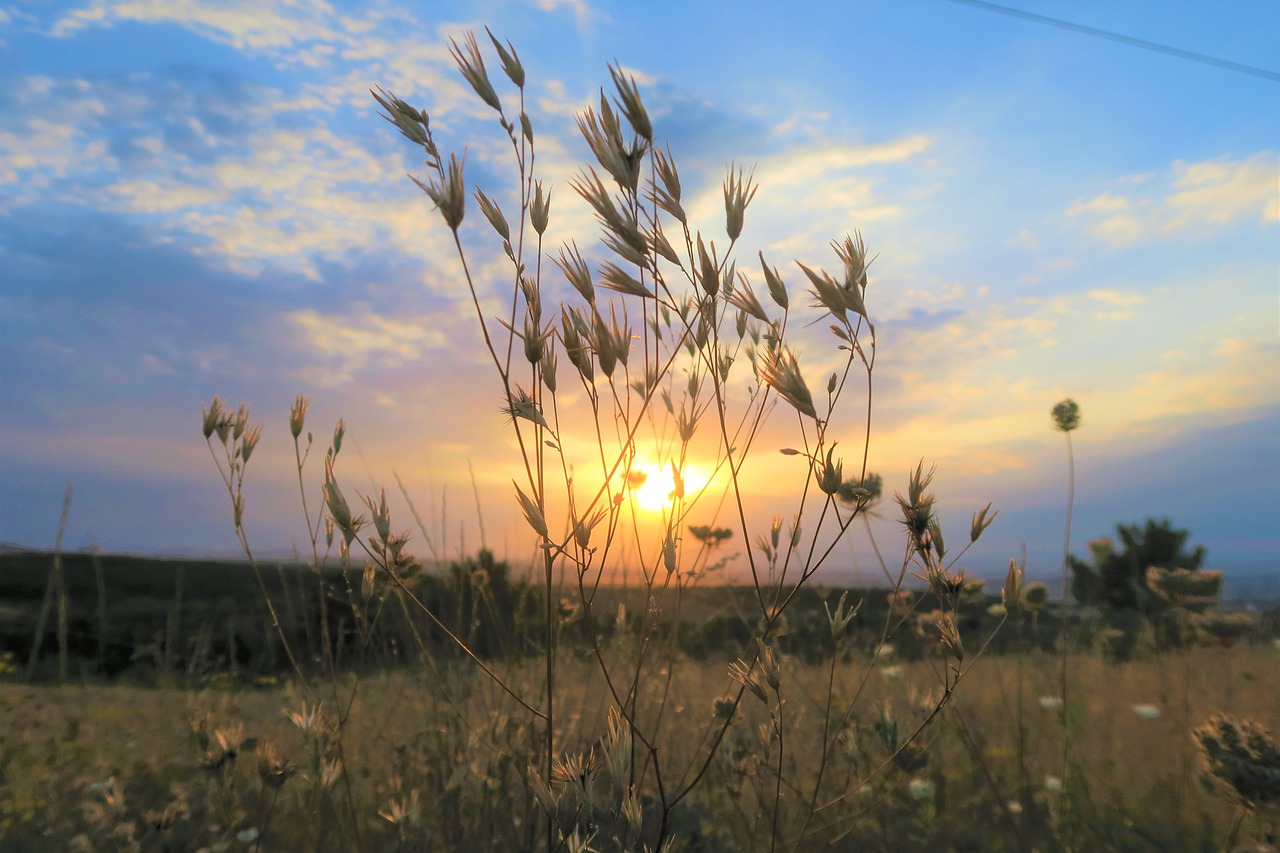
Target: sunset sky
x=198 y=197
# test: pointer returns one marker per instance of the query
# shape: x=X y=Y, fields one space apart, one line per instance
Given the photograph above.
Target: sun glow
x=653 y=486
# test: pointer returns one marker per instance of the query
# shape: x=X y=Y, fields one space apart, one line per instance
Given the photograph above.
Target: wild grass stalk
x=1066 y=418
x=676 y=359
x=55 y=592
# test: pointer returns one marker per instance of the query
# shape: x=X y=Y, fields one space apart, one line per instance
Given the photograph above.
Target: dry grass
x=104 y=768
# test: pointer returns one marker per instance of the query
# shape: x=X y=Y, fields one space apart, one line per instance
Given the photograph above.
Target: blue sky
x=198 y=198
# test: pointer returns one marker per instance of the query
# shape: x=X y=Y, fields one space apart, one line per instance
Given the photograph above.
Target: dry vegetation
x=444 y=765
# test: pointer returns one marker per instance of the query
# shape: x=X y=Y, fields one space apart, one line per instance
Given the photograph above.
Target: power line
x=1156 y=47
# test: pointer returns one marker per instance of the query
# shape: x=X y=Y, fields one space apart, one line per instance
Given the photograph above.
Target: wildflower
x=1035 y=596
x=1147 y=712
x=891 y=673
x=922 y=790
x=1243 y=757
x=1050 y=703
x=1053 y=785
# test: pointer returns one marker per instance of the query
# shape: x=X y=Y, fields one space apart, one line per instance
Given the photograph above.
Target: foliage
x=1116 y=580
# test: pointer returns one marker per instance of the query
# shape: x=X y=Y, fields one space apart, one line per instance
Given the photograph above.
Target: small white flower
x=1050 y=703
x=1053 y=785
x=922 y=790
x=247 y=836
x=1147 y=712
x=891 y=673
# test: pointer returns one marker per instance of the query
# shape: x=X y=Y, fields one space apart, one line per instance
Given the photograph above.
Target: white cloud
x=349 y=344
x=258 y=24
x=1116 y=297
x=806 y=188
x=1191 y=197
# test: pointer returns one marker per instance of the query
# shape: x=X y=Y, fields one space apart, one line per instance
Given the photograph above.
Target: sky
x=199 y=198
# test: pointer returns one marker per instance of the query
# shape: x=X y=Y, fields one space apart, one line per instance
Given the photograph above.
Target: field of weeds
x=445 y=762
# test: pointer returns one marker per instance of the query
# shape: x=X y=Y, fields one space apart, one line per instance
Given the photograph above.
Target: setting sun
x=654 y=485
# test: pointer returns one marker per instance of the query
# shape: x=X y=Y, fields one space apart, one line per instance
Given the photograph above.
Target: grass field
x=442 y=761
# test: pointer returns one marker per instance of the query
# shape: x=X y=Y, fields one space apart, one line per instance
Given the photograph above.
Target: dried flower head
x=1243 y=757
x=1066 y=415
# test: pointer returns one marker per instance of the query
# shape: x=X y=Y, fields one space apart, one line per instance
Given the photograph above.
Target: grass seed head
x=449 y=194
x=211 y=416
x=532 y=514
x=540 y=208
x=298 y=415
x=629 y=102
x=471 y=64
x=667 y=196
x=493 y=213
x=510 y=60
x=780 y=370
x=738 y=192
